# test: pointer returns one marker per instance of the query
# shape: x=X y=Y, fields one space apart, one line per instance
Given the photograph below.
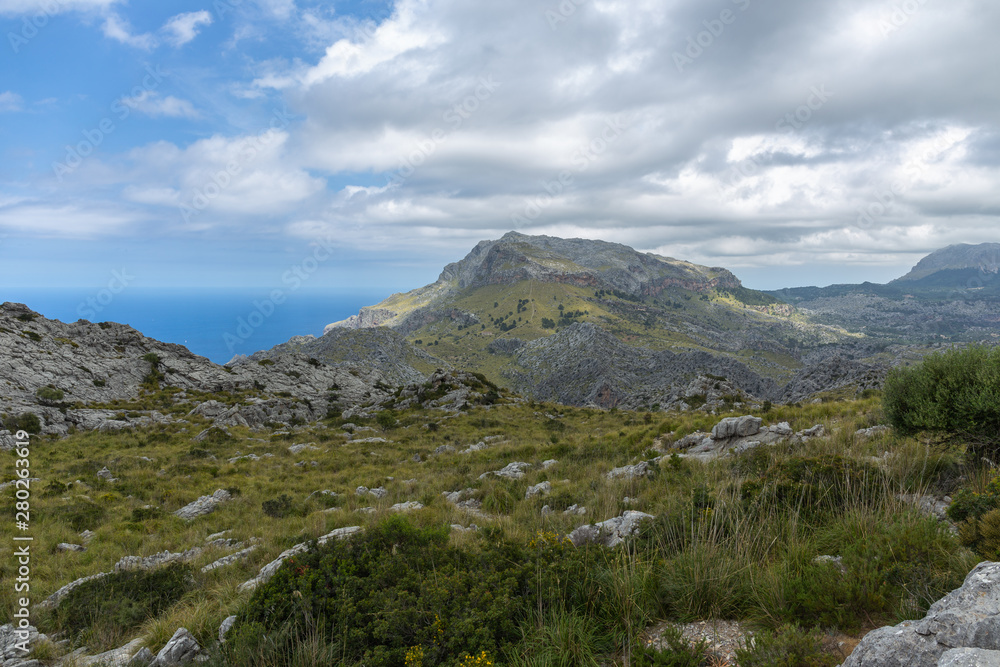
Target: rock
x=609 y=533
x=744 y=447
x=575 y=510
x=117 y=656
x=816 y=431
x=696 y=438
x=781 y=429
x=416 y=458
x=541 y=489
x=105 y=474
x=379 y=492
x=180 y=649
x=218 y=431
x=204 y=505
x=13 y=640
x=408 y=506
x=296 y=449
x=928 y=505
x=226 y=626
x=65 y=546
x=87 y=536
x=444 y=449
x=549 y=463
x=835 y=561
x=546 y=510
x=149 y=562
x=513 y=470
x=965 y=618
x=142 y=658
x=53 y=600
x=231 y=558
x=736 y=427
x=641 y=469
x=867 y=433
x=478 y=447
x=459 y=528
x=970 y=657
x=368 y=440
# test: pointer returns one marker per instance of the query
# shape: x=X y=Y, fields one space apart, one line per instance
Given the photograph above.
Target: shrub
x=277 y=508
x=791 y=647
x=379 y=596
x=112 y=607
x=50 y=394
x=957 y=391
x=27 y=422
x=386 y=419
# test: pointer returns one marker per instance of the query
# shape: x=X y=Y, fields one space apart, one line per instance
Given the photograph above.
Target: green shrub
x=678 y=652
x=791 y=647
x=395 y=588
x=386 y=419
x=108 y=609
x=265 y=362
x=277 y=508
x=26 y=421
x=50 y=394
x=140 y=514
x=957 y=391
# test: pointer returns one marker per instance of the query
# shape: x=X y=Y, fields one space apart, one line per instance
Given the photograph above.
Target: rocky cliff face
x=983 y=257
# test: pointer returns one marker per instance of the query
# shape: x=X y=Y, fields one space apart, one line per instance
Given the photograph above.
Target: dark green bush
x=957 y=391
x=140 y=514
x=277 y=508
x=27 y=422
x=379 y=594
x=791 y=647
x=106 y=609
x=50 y=394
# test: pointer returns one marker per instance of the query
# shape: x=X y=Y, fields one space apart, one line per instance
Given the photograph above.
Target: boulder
x=965 y=618
x=513 y=470
x=204 y=505
x=180 y=649
x=226 y=626
x=541 y=489
x=641 y=469
x=609 y=533
x=736 y=427
x=142 y=658
x=866 y=433
x=13 y=640
x=408 y=506
x=970 y=657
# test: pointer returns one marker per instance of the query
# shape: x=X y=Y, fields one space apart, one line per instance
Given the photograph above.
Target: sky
x=364 y=144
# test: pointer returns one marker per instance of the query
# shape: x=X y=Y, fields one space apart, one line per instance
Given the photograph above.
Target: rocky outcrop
x=180 y=649
x=268 y=570
x=204 y=505
x=966 y=618
x=612 y=532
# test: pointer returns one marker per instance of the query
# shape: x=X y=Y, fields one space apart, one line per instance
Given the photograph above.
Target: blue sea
x=212 y=323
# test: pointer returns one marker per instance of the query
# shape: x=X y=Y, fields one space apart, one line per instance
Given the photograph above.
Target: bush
x=791 y=647
x=957 y=391
x=108 y=609
x=277 y=508
x=27 y=422
x=396 y=590
x=50 y=394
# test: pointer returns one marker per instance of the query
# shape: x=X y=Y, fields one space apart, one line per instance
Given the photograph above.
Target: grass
x=733 y=538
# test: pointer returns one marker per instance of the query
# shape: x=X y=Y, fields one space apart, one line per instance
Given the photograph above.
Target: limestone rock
x=268 y=570
x=641 y=469
x=736 y=427
x=408 y=506
x=226 y=626
x=970 y=657
x=181 y=649
x=868 y=433
x=540 y=489
x=204 y=505
x=513 y=470
x=612 y=532
x=965 y=618
x=142 y=658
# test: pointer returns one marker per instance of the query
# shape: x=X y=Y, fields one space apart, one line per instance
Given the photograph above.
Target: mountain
x=952 y=295
x=590 y=322
x=983 y=258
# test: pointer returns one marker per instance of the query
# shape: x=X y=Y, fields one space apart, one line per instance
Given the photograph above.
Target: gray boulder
x=609 y=533
x=142 y=658
x=513 y=470
x=970 y=657
x=181 y=649
x=226 y=626
x=541 y=489
x=641 y=469
x=968 y=617
x=736 y=427
x=204 y=505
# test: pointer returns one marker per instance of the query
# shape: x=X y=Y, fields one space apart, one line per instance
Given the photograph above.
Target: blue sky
x=216 y=143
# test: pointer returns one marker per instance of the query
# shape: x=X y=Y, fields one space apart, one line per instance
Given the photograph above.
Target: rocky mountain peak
x=984 y=257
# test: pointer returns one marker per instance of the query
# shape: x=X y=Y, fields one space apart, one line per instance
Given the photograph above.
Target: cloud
x=183 y=28
x=10 y=101
x=150 y=103
x=52 y=7
x=119 y=29
x=86 y=220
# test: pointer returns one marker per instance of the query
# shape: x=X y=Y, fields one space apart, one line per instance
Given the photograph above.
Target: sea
x=217 y=324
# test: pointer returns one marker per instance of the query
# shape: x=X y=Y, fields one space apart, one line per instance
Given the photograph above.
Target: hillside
x=591 y=322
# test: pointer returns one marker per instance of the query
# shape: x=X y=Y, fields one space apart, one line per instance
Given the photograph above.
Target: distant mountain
x=953 y=294
x=983 y=258
x=583 y=321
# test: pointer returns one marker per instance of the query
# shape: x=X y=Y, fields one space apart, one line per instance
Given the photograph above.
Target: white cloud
x=10 y=101
x=118 y=29
x=150 y=103
x=182 y=28
x=68 y=220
